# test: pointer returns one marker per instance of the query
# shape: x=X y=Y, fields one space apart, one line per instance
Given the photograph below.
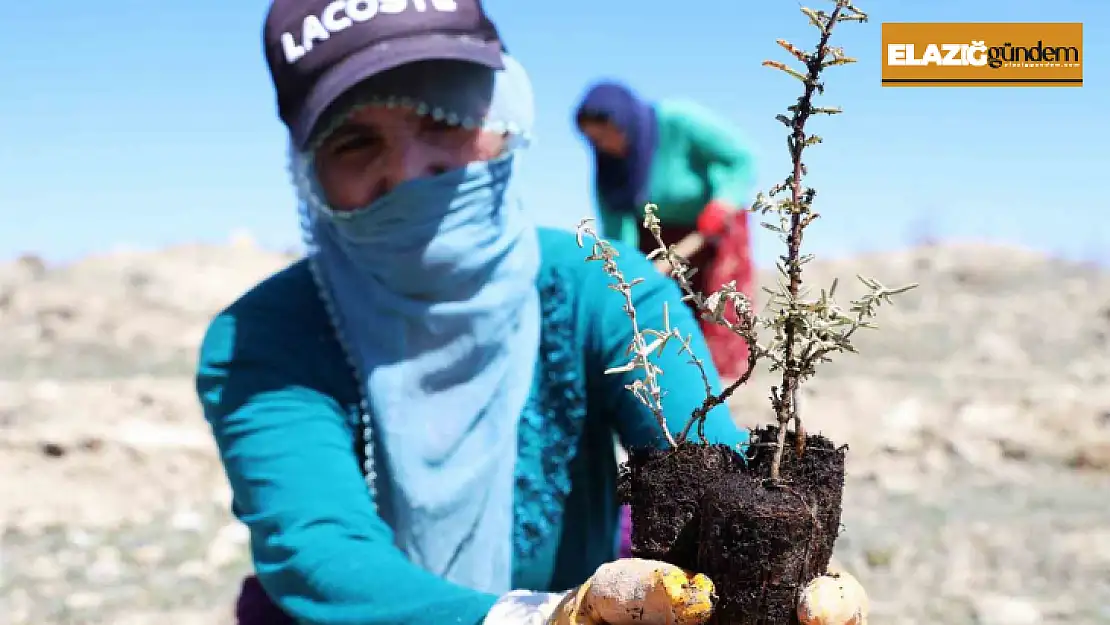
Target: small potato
x=835 y=599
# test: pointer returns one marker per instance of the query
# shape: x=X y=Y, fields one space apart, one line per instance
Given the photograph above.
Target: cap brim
x=383 y=57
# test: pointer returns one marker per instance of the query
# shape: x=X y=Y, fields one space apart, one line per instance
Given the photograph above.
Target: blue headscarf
x=432 y=291
x=622 y=182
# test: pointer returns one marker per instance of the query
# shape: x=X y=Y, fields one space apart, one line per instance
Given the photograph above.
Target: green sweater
x=283 y=404
x=698 y=158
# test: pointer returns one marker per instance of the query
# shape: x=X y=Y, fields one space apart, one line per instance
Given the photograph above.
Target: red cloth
x=714 y=218
x=724 y=258
x=732 y=261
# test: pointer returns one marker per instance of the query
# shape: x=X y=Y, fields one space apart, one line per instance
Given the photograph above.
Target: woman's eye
x=347 y=141
x=439 y=126
x=353 y=144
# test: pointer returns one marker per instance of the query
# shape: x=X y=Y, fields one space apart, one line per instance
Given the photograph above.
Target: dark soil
x=705 y=509
x=665 y=490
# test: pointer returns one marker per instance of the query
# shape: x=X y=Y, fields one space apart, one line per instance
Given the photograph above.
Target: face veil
x=431 y=289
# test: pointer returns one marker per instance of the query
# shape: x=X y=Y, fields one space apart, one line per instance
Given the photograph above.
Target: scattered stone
x=1003 y=610
x=84 y=601
x=52 y=450
x=188 y=521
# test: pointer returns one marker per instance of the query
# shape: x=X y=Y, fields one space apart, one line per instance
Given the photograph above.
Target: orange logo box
x=993 y=54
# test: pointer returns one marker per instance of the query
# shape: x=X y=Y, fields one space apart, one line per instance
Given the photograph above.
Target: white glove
x=646 y=592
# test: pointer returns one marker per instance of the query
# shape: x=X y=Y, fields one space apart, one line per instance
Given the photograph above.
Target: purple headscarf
x=622 y=182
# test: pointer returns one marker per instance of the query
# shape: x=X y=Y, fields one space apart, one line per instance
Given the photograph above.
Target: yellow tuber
x=834 y=599
x=644 y=592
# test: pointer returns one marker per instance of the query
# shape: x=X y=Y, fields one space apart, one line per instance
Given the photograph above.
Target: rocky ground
x=978 y=420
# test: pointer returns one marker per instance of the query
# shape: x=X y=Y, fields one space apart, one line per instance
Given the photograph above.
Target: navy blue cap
x=318 y=49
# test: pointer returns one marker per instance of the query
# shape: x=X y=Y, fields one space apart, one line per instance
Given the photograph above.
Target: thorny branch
x=803 y=332
x=799 y=209
x=646 y=390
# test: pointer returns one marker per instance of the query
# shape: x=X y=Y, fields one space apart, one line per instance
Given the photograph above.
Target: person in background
x=415 y=419
x=698 y=171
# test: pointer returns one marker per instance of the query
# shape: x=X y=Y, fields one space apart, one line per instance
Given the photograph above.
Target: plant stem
x=712 y=401
x=786 y=408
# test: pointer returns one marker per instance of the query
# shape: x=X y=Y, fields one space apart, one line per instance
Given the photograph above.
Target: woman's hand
x=633 y=591
x=689 y=245
x=713 y=219
x=647 y=592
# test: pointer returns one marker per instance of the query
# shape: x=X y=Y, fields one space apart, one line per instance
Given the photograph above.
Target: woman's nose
x=411 y=162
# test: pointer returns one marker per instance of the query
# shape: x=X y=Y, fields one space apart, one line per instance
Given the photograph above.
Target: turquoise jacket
x=283 y=405
x=698 y=158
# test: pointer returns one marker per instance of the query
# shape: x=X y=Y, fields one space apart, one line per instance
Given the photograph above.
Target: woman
x=415 y=420
x=698 y=172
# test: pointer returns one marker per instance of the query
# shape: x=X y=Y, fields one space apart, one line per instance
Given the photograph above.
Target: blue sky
x=148 y=123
